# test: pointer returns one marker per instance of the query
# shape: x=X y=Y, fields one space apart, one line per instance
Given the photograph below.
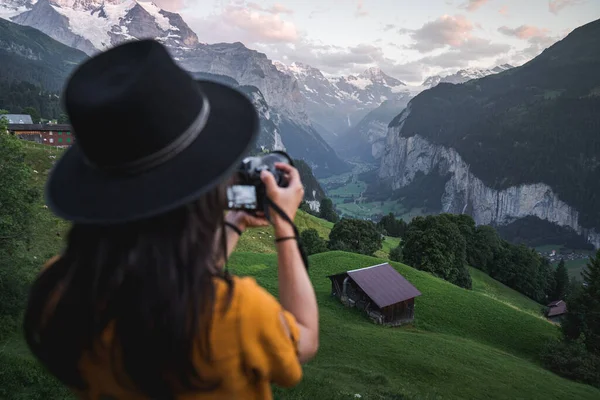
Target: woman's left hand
x=244 y=220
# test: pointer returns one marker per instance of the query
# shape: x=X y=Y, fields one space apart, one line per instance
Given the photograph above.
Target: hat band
x=166 y=153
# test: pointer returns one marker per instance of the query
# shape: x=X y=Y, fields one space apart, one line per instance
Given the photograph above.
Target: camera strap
x=283 y=215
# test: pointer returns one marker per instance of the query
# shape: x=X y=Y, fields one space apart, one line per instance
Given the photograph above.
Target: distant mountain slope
x=27 y=54
x=366 y=140
x=94 y=25
x=520 y=143
x=464 y=75
x=337 y=104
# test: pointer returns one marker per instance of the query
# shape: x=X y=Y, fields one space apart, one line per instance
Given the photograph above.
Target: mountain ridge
x=93 y=26
x=502 y=139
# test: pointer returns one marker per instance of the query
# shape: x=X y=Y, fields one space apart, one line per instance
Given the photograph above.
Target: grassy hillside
x=465 y=345
x=484 y=284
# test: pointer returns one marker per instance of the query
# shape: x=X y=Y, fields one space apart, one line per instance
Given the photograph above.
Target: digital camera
x=249 y=192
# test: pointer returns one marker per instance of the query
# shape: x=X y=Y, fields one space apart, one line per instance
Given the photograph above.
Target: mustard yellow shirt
x=251 y=348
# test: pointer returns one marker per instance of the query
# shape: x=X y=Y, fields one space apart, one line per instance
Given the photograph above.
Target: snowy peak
x=464 y=75
x=377 y=76
x=95 y=25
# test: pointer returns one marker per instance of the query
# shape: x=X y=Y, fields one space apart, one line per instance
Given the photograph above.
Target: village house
x=557 y=311
x=385 y=295
x=57 y=135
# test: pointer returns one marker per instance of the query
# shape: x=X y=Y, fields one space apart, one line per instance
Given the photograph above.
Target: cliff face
x=466 y=193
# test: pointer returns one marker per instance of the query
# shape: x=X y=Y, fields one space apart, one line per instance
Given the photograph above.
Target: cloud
x=473 y=49
x=274 y=9
x=360 y=12
x=388 y=27
x=538 y=39
x=473 y=5
x=524 y=31
x=556 y=5
x=503 y=11
x=170 y=5
x=249 y=21
x=445 y=31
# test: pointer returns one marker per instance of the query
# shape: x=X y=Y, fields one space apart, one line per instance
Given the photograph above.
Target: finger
x=294 y=175
x=269 y=180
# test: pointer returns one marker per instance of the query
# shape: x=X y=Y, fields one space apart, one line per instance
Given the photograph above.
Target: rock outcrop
x=464 y=192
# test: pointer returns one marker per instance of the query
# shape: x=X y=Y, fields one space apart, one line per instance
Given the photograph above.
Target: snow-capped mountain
x=95 y=25
x=464 y=75
x=337 y=104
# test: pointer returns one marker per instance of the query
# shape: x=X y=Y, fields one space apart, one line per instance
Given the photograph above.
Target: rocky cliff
x=406 y=157
x=523 y=142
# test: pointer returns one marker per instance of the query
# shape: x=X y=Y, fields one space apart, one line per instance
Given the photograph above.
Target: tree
x=436 y=245
x=312 y=242
x=356 y=236
x=17 y=197
x=63 y=119
x=3 y=112
x=391 y=226
x=583 y=317
x=35 y=114
x=327 y=212
x=396 y=253
x=561 y=281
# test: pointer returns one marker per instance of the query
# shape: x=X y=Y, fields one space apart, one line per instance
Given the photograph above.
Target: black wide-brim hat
x=149 y=138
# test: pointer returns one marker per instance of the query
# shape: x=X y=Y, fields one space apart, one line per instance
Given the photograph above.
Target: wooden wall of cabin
x=399 y=311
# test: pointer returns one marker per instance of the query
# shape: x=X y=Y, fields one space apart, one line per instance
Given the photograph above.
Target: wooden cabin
x=556 y=311
x=56 y=135
x=385 y=295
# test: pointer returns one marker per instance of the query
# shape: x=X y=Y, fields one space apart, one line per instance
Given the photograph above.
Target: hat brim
x=81 y=193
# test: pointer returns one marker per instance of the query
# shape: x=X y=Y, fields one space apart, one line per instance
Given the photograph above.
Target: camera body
x=249 y=192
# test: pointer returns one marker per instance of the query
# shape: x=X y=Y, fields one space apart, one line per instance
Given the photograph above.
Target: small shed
x=385 y=295
x=556 y=311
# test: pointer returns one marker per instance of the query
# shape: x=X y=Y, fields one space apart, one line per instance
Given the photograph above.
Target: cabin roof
x=383 y=284
x=557 y=308
x=18 y=118
x=39 y=127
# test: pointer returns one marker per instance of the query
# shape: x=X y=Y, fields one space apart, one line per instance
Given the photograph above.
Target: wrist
x=283 y=229
x=236 y=219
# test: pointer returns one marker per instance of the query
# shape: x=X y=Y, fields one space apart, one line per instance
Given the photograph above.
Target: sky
x=408 y=39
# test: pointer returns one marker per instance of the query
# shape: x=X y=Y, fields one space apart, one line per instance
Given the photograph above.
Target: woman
x=140 y=305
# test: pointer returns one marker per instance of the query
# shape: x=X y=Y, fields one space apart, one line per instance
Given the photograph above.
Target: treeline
x=577 y=355
x=446 y=244
x=25 y=98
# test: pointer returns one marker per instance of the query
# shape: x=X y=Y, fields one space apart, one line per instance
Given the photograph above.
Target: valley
x=508 y=151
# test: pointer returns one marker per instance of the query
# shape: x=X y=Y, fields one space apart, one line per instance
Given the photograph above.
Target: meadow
x=482 y=343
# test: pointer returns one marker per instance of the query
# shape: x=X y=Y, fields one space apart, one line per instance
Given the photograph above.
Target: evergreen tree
x=327 y=212
x=583 y=317
x=35 y=114
x=396 y=253
x=561 y=281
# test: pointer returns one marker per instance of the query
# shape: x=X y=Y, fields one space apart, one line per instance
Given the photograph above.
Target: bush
x=572 y=361
x=312 y=242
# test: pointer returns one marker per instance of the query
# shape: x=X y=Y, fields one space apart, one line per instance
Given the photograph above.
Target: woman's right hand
x=287 y=198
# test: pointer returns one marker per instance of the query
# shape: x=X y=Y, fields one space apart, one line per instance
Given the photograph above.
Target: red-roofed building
x=556 y=311
x=385 y=295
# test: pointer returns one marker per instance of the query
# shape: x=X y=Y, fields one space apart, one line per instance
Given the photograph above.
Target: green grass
x=484 y=284
x=464 y=344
